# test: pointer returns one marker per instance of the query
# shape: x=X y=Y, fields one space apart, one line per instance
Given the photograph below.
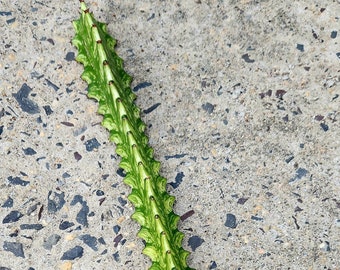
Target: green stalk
x=109 y=84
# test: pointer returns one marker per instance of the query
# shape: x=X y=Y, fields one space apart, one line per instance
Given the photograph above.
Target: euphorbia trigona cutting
x=109 y=84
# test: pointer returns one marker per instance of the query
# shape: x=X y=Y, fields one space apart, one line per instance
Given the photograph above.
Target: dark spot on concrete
x=70 y=56
x=92 y=144
x=55 y=201
x=51 y=241
x=25 y=103
x=15 y=248
x=231 y=221
x=13 y=216
x=17 y=181
x=65 y=225
x=208 y=107
x=247 y=59
x=47 y=109
x=141 y=86
x=89 y=240
x=29 y=151
x=178 y=180
x=194 y=242
x=152 y=108
x=8 y=203
x=73 y=253
x=300 y=47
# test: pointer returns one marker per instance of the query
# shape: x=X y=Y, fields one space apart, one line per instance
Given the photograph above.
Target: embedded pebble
x=178 y=180
x=141 y=86
x=122 y=201
x=13 y=216
x=31 y=227
x=256 y=218
x=208 y=107
x=8 y=203
x=117 y=239
x=300 y=172
x=324 y=127
x=92 y=144
x=29 y=151
x=213 y=265
x=70 y=56
x=195 y=241
x=15 y=248
x=230 y=221
x=152 y=108
x=100 y=192
x=65 y=225
x=116 y=256
x=17 y=181
x=247 y=59
x=324 y=246
x=82 y=214
x=51 y=241
x=187 y=215
x=26 y=104
x=73 y=253
x=116 y=229
x=55 y=201
x=89 y=240
x=52 y=85
x=47 y=109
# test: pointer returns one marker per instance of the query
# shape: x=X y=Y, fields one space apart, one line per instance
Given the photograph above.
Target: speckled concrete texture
x=241 y=101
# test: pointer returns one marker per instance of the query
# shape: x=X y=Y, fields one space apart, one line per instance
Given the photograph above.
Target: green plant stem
x=109 y=84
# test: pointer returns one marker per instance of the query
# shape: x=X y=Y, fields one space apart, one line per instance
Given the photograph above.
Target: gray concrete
x=248 y=120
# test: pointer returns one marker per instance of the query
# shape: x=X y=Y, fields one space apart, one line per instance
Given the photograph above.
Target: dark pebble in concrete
x=213 y=265
x=152 y=108
x=89 y=240
x=116 y=256
x=51 y=241
x=92 y=144
x=52 y=85
x=178 y=180
x=13 y=216
x=65 y=225
x=324 y=127
x=8 y=203
x=208 y=107
x=47 y=109
x=121 y=172
x=17 y=181
x=70 y=56
x=25 y=103
x=195 y=241
x=82 y=214
x=116 y=229
x=55 y=201
x=117 y=239
x=99 y=192
x=122 y=201
x=73 y=253
x=15 y=248
x=31 y=227
x=141 y=86
x=29 y=151
x=300 y=172
x=230 y=221
x=256 y=218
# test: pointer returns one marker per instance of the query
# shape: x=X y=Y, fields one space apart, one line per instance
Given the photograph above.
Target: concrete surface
x=247 y=130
